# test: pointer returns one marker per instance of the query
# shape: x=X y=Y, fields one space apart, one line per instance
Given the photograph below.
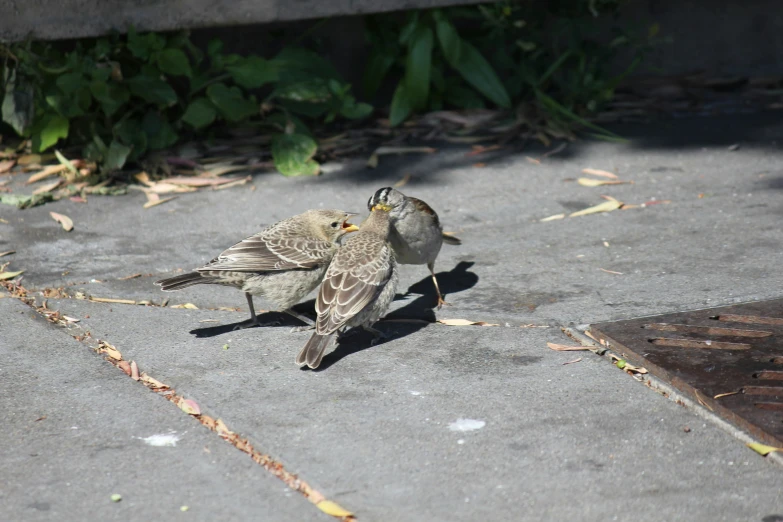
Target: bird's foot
x=377 y=335
x=442 y=303
x=250 y=323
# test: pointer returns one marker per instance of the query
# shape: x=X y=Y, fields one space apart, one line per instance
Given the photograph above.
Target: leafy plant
x=121 y=97
x=436 y=62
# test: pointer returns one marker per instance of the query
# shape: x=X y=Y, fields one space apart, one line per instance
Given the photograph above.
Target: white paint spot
x=162 y=439
x=415 y=393
x=461 y=441
x=467 y=425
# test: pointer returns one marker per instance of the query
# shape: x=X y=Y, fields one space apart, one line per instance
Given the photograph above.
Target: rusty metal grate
x=729 y=359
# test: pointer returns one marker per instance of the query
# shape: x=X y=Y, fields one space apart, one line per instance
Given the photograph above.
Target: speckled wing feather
x=425 y=209
x=358 y=273
x=282 y=246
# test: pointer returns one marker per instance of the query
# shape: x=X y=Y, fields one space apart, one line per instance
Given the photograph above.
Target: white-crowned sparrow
x=416 y=234
x=358 y=287
x=284 y=262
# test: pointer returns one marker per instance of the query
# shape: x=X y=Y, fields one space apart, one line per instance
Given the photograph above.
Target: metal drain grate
x=730 y=359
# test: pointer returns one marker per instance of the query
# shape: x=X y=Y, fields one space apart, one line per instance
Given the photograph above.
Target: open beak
x=349 y=227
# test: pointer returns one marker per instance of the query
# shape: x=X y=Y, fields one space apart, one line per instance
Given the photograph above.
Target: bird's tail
x=313 y=351
x=451 y=240
x=182 y=281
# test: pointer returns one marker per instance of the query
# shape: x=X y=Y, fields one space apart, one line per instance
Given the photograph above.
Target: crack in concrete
x=114 y=357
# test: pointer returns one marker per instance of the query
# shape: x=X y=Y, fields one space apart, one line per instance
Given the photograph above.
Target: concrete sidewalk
x=438 y=423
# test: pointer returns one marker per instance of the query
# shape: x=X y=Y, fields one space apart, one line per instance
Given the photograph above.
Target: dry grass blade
x=199 y=182
x=110 y=300
x=48 y=187
x=66 y=162
x=235 y=183
x=5 y=276
x=602 y=173
x=188 y=306
x=589 y=182
x=572 y=362
x=610 y=271
x=151 y=203
x=464 y=322
x=718 y=396
x=762 y=449
x=7 y=253
x=64 y=220
x=51 y=170
x=404 y=181
x=380 y=151
x=333 y=508
x=565 y=348
x=552 y=218
x=606 y=206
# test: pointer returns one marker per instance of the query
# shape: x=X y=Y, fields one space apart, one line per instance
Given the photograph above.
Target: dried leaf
x=48 y=187
x=235 y=183
x=404 y=181
x=208 y=421
x=149 y=204
x=602 y=173
x=333 y=508
x=222 y=429
x=220 y=170
x=71 y=319
x=110 y=300
x=78 y=199
x=132 y=276
x=762 y=449
x=29 y=159
x=606 y=206
x=110 y=350
x=51 y=170
x=534 y=161
x=464 y=322
x=610 y=271
x=125 y=367
x=5 y=276
x=189 y=306
x=64 y=220
x=152 y=382
x=134 y=371
x=572 y=362
x=552 y=218
x=565 y=348
x=190 y=407
x=6 y=165
x=3 y=254
x=144 y=179
x=589 y=182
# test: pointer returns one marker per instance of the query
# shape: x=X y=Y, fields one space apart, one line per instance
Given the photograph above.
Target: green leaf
x=214 y=47
x=418 y=67
x=18 y=107
x=160 y=133
x=475 y=69
x=253 y=72
x=311 y=91
x=281 y=120
x=297 y=64
x=70 y=82
x=292 y=154
x=116 y=157
x=401 y=106
x=142 y=46
x=52 y=129
x=129 y=132
x=173 y=62
x=450 y=42
x=409 y=28
x=377 y=68
x=152 y=89
x=200 y=113
x=233 y=106
x=111 y=96
x=463 y=97
x=355 y=111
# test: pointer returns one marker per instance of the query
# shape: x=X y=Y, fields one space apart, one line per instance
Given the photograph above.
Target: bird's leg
x=376 y=334
x=310 y=324
x=441 y=301
x=253 y=321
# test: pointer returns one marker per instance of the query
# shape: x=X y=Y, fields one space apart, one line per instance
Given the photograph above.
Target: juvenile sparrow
x=284 y=262
x=358 y=287
x=416 y=234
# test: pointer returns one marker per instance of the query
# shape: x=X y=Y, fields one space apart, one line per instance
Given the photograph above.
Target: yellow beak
x=349 y=227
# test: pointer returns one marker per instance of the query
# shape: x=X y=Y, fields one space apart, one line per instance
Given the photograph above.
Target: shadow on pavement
x=410 y=318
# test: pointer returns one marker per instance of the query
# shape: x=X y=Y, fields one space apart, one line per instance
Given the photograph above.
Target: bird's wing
x=270 y=252
x=352 y=282
x=425 y=209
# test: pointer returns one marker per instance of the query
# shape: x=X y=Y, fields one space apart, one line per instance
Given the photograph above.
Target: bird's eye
x=335 y=224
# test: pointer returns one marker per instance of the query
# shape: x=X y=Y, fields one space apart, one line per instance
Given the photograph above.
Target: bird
x=283 y=263
x=358 y=287
x=416 y=234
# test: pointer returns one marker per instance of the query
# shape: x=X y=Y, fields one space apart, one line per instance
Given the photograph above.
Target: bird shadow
x=409 y=319
x=266 y=320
